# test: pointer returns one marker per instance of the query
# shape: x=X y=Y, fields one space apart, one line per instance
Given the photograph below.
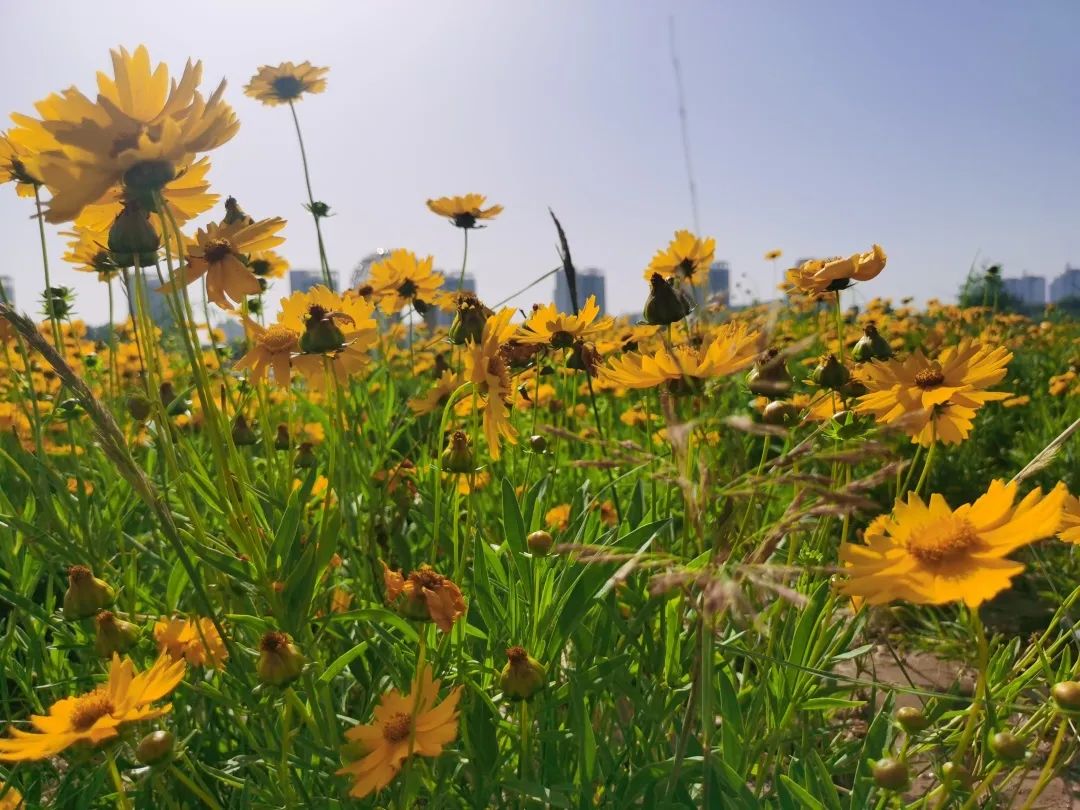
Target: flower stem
x=311 y=201
x=118 y=783
x=58 y=338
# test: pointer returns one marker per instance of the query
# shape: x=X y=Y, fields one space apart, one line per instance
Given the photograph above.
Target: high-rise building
x=1067 y=285
x=8 y=292
x=304 y=280
x=1030 y=290
x=160 y=313
x=589 y=282
x=720 y=282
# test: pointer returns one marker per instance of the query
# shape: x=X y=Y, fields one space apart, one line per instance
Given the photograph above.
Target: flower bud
x=321 y=334
x=584 y=357
x=769 y=377
x=133 y=239
x=540 y=542
x=779 y=412
x=113 y=635
x=86 y=594
x=281 y=440
x=523 y=676
x=155 y=747
x=538 y=444
x=890 y=774
x=458 y=455
x=280 y=660
x=469 y=319
x=1066 y=695
x=830 y=373
x=234 y=213
x=138 y=406
x=1007 y=747
x=305 y=457
x=911 y=719
x=665 y=304
x=871 y=346
x=57 y=302
x=242 y=434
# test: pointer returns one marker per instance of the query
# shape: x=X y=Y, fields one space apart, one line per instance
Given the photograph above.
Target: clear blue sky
x=936 y=129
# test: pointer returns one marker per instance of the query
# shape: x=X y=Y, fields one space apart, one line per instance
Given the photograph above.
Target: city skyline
x=956 y=155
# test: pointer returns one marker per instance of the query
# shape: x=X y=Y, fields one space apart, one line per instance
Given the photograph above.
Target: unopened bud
x=540 y=542
x=86 y=594
x=912 y=719
x=890 y=774
x=779 y=412
x=871 y=346
x=830 y=373
x=523 y=676
x=281 y=440
x=458 y=455
x=665 y=304
x=113 y=635
x=305 y=457
x=1066 y=695
x=1007 y=746
x=132 y=239
x=242 y=434
x=156 y=747
x=280 y=660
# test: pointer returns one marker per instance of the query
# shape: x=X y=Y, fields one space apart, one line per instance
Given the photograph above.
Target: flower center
x=465 y=220
x=90 y=708
x=943 y=541
x=260 y=267
x=426 y=578
x=686 y=267
x=278 y=339
x=407 y=289
x=397 y=728
x=217 y=249
x=929 y=378
x=561 y=339
x=273 y=641
x=287 y=87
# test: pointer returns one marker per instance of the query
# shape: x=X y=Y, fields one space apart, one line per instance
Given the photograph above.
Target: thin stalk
x=58 y=337
x=311 y=201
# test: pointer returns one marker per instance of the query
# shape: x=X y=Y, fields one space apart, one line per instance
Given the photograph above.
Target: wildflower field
x=534 y=559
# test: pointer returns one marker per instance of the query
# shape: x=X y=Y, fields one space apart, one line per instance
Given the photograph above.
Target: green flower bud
x=469 y=319
x=890 y=774
x=956 y=776
x=138 y=406
x=281 y=440
x=769 y=377
x=113 y=635
x=538 y=444
x=911 y=719
x=234 y=213
x=458 y=455
x=280 y=660
x=665 y=304
x=321 y=334
x=132 y=238
x=523 y=676
x=1066 y=695
x=86 y=594
x=871 y=346
x=779 y=412
x=1007 y=747
x=305 y=457
x=156 y=747
x=540 y=542
x=830 y=373
x=242 y=434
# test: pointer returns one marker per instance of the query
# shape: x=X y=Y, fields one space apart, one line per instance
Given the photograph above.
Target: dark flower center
x=90 y=708
x=398 y=728
x=426 y=578
x=217 y=249
x=467 y=220
x=287 y=87
x=929 y=378
x=274 y=641
x=260 y=267
x=407 y=289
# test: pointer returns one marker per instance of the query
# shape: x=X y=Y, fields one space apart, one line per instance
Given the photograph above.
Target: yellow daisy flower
x=401 y=280
x=934 y=400
x=196 y=640
x=338 y=328
x=1070 y=521
x=89 y=252
x=687 y=257
x=733 y=348
x=929 y=554
x=415 y=724
x=486 y=369
x=268 y=264
x=818 y=276
x=464 y=211
x=97 y=715
x=272 y=347
x=547 y=325
x=286 y=83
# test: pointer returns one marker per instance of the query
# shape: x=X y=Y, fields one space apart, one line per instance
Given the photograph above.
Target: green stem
x=58 y=337
x=118 y=783
x=311 y=201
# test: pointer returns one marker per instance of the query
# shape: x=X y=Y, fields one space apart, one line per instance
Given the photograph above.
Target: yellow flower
x=1016 y=402
x=186 y=197
x=401 y=279
x=405 y=725
x=286 y=83
x=97 y=715
x=818 y=276
x=267 y=264
x=424 y=595
x=558 y=517
x=88 y=251
x=142 y=132
x=332 y=327
x=1069 y=530
x=21 y=149
x=934 y=400
x=687 y=257
x=272 y=347
x=486 y=369
x=464 y=211
x=929 y=554
x=10 y=798
x=221 y=253
x=733 y=348
x=548 y=325
x=196 y=640
x=774 y=254
x=438 y=395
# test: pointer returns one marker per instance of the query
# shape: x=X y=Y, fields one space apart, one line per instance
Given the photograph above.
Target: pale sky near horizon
x=943 y=131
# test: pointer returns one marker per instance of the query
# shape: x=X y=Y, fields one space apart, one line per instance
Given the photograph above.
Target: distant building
x=304 y=280
x=363 y=267
x=1029 y=290
x=720 y=281
x=1067 y=285
x=436 y=317
x=589 y=282
x=160 y=313
x=8 y=292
